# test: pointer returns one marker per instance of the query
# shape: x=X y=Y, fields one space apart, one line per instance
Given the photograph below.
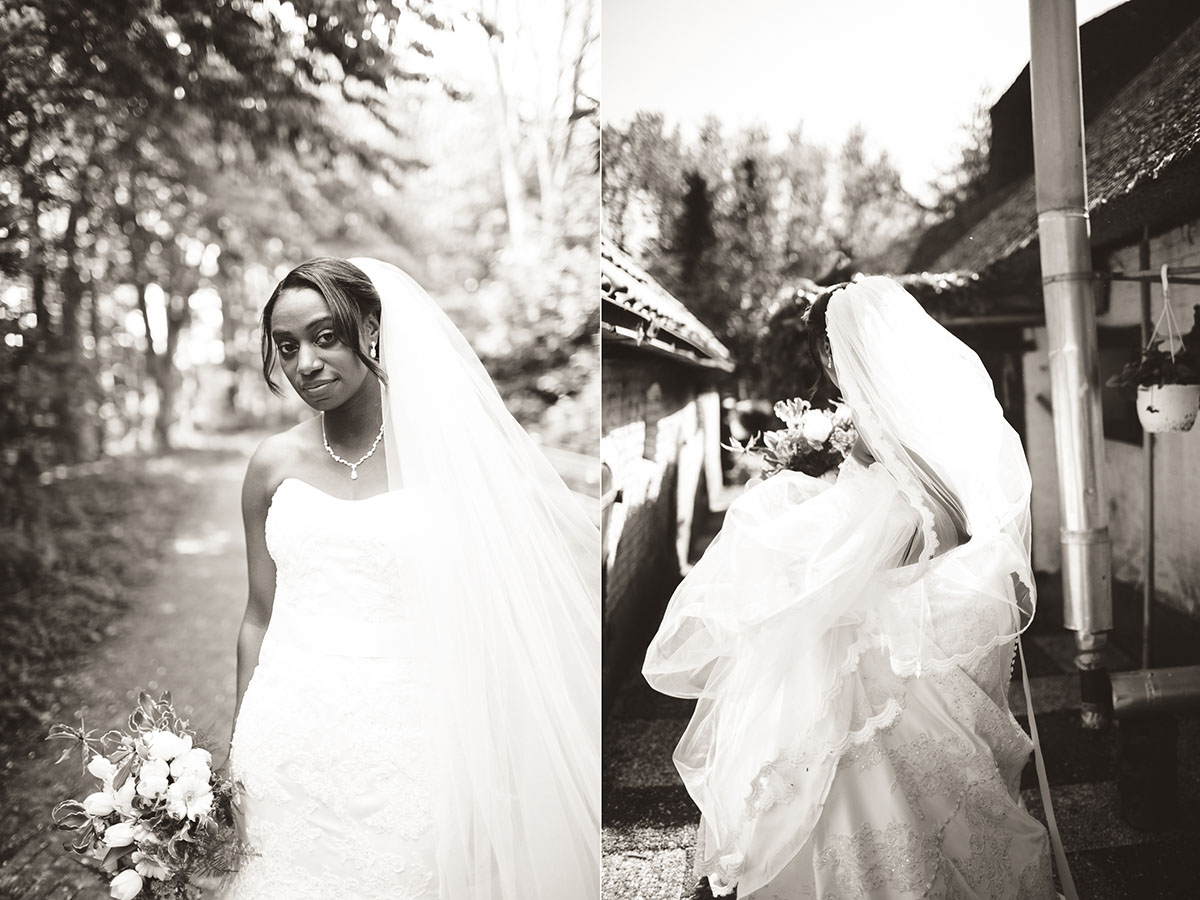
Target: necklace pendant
x=354 y=473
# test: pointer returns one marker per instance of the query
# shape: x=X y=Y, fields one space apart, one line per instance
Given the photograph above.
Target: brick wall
x=659 y=437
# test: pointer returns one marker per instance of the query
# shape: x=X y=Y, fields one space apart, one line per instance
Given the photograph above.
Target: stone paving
x=179 y=633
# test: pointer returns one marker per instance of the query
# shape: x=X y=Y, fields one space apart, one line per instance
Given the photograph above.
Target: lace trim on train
x=985 y=785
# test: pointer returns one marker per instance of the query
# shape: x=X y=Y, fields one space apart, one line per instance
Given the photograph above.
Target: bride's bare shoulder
x=275 y=456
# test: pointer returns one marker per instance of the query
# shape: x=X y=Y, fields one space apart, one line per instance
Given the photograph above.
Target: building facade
x=1141 y=88
x=660 y=445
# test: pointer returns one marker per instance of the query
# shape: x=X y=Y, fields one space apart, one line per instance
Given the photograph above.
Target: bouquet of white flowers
x=815 y=441
x=162 y=817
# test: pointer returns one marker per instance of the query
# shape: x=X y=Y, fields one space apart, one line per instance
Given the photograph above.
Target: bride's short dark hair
x=351 y=297
x=818 y=328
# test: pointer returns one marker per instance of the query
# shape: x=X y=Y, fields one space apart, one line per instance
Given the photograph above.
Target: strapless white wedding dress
x=331 y=743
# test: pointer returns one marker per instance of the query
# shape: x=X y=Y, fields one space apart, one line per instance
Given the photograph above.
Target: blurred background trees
x=743 y=227
x=164 y=162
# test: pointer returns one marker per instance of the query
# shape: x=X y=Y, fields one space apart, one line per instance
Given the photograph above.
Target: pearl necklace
x=353 y=466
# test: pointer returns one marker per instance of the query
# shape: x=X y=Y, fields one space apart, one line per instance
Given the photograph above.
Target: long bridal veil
x=797 y=630
x=510 y=582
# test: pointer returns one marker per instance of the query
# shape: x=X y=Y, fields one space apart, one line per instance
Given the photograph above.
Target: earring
x=374 y=355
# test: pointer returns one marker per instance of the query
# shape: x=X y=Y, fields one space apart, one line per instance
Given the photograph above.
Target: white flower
x=791 y=411
x=189 y=797
x=197 y=760
x=98 y=804
x=816 y=426
x=102 y=768
x=152 y=779
x=144 y=834
x=842 y=417
x=123 y=799
x=119 y=835
x=167 y=745
x=126 y=885
x=150 y=867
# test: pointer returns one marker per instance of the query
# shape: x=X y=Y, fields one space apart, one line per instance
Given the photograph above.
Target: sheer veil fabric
x=779 y=629
x=509 y=577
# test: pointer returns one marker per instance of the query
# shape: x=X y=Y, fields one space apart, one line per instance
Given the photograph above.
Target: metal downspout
x=1063 y=232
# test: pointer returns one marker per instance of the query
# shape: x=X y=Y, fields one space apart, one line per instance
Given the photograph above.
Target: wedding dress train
x=850 y=646
x=332 y=742
x=929 y=805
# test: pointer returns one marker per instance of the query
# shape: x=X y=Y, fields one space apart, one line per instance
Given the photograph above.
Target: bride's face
x=324 y=371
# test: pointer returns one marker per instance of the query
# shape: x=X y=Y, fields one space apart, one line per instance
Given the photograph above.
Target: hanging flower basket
x=1167 y=381
x=1168 y=407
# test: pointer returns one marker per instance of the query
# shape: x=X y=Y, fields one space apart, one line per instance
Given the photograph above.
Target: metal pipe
x=1155 y=692
x=1060 y=179
x=1148 y=469
x=1153 y=279
x=1153 y=274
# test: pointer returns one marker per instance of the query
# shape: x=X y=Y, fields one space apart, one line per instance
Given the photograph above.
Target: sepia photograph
x=900 y=364
x=299 y=449
x=847 y=545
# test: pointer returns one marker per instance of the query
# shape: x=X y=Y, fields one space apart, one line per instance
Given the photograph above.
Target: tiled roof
x=1141 y=167
x=627 y=285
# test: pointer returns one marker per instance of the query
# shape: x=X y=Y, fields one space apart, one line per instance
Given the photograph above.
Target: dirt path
x=179 y=634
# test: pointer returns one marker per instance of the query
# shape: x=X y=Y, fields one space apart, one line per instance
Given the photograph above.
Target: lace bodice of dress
x=343 y=573
x=333 y=743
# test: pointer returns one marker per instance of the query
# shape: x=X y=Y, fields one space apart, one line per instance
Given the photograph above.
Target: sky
x=910 y=73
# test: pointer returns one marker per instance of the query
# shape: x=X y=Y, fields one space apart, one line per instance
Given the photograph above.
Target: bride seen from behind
x=409 y=548
x=850 y=646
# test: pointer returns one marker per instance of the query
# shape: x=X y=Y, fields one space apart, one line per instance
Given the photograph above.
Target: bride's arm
x=257 y=491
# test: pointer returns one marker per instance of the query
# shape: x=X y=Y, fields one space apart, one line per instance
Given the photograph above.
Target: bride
x=418 y=666
x=850 y=645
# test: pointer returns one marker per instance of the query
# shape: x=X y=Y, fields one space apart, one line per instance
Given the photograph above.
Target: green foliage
x=1155 y=367
x=69 y=553
x=961 y=187
x=786 y=368
x=875 y=213
x=205 y=146
x=513 y=258
x=122 y=124
x=729 y=224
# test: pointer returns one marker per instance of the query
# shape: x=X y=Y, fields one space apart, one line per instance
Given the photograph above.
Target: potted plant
x=1167 y=382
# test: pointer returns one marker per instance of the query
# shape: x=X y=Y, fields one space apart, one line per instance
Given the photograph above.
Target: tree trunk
x=32 y=190
x=158 y=366
x=168 y=382
x=154 y=363
x=506 y=127
x=179 y=316
x=37 y=263
x=96 y=329
x=232 y=301
x=66 y=402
